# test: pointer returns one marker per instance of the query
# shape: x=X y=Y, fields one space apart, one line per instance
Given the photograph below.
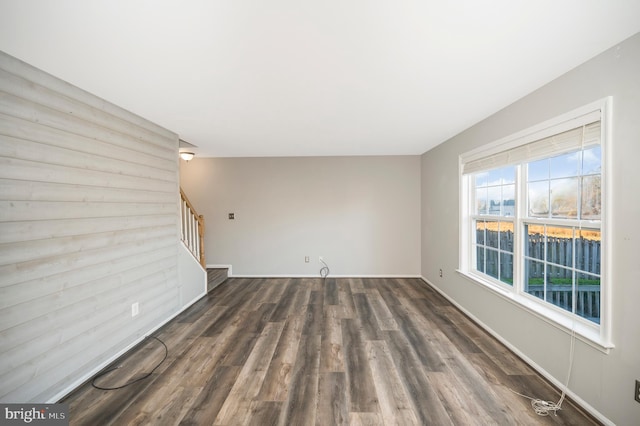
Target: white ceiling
x=323 y=77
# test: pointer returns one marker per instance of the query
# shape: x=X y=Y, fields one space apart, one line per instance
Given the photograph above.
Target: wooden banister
x=192 y=226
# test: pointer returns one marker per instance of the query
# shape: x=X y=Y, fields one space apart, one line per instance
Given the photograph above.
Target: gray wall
x=362 y=214
x=604 y=381
x=191 y=276
x=88 y=226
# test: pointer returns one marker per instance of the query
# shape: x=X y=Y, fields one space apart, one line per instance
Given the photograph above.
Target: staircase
x=192 y=227
x=215 y=277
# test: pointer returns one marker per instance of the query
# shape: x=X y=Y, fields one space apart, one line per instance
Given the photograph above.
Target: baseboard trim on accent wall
x=57 y=397
x=583 y=404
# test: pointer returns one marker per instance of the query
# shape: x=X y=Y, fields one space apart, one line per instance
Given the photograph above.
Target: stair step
x=215 y=277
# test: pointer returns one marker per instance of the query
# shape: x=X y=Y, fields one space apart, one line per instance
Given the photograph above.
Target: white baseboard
x=318 y=276
x=66 y=391
x=231 y=275
x=228 y=267
x=583 y=404
x=376 y=276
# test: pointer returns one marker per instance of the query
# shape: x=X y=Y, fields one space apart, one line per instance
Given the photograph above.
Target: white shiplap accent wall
x=88 y=226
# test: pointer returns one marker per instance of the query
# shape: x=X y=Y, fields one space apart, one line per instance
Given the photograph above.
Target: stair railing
x=192 y=227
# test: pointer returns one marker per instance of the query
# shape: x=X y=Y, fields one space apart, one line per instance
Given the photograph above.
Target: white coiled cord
x=544 y=408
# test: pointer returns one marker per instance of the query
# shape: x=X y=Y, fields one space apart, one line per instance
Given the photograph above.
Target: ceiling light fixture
x=187 y=156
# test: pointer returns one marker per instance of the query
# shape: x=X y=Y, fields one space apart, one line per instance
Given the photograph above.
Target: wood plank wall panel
x=88 y=226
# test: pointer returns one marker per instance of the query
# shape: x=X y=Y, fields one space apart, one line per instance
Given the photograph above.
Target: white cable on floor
x=543 y=408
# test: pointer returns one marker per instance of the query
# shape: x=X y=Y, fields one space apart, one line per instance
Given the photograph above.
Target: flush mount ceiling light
x=186 y=156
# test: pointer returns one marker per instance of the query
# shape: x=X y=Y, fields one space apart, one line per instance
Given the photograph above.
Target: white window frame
x=597 y=335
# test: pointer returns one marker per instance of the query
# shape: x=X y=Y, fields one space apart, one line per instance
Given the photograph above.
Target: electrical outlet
x=135 y=309
x=321 y=259
x=232 y=216
x=637 y=391
x=440 y=273
x=306 y=259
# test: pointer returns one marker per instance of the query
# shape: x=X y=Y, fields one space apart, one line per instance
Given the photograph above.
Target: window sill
x=584 y=332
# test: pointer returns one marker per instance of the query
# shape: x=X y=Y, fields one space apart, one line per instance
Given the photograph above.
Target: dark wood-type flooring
x=215 y=277
x=305 y=351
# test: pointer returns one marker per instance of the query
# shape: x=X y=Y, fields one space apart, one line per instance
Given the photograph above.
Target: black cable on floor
x=324 y=271
x=97 y=376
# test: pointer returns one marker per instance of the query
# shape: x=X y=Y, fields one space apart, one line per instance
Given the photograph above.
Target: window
x=532 y=211
x=562 y=231
x=493 y=217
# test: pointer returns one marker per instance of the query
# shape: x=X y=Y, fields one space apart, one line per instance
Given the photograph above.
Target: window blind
x=569 y=140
